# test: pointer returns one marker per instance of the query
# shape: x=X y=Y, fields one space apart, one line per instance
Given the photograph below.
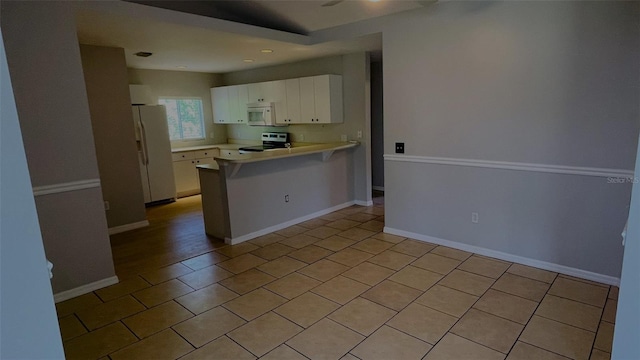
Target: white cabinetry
x=229 y=152
x=220 y=101
x=291 y=103
x=238 y=98
x=256 y=92
x=186 y=178
x=263 y=92
x=230 y=104
x=278 y=94
x=321 y=99
x=308 y=100
x=185 y=172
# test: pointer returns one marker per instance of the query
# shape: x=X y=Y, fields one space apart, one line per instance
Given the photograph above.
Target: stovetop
x=259 y=148
x=270 y=141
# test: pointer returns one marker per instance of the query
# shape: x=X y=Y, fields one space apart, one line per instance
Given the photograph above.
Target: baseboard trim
x=588 y=275
x=85 y=289
x=66 y=187
x=378 y=188
x=363 y=203
x=187 y=193
x=284 y=225
x=506 y=165
x=128 y=227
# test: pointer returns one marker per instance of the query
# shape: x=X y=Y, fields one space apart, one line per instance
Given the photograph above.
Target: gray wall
x=569 y=220
x=29 y=327
x=46 y=72
x=105 y=74
x=256 y=194
x=625 y=341
x=184 y=84
x=377 y=125
x=529 y=82
x=465 y=75
x=355 y=87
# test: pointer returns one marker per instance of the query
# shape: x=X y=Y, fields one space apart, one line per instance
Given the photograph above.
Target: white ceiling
x=204 y=44
x=312 y=16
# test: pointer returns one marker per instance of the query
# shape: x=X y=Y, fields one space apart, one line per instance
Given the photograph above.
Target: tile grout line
x=531 y=317
x=541 y=348
x=340 y=306
x=523 y=326
x=472 y=307
x=578 y=301
x=423 y=292
x=461 y=316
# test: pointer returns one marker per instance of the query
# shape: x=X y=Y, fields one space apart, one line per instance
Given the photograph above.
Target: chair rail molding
x=65 y=187
x=518 y=166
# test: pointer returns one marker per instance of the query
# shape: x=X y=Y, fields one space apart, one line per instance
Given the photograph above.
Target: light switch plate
x=399 y=148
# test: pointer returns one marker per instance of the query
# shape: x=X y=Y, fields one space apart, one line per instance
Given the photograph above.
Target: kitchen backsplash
x=299 y=133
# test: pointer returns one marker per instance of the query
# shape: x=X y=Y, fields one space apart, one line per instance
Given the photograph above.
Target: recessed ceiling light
x=266 y=51
x=143 y=54
x=248 y=60
x=181 y=67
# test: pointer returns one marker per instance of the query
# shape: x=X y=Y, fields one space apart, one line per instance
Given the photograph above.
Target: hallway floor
x=335 y=287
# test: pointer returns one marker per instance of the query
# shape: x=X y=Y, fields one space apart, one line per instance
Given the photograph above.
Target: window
x=184 y=116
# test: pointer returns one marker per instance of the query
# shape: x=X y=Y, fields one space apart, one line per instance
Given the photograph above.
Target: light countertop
x=279 y=154
x=206 y=147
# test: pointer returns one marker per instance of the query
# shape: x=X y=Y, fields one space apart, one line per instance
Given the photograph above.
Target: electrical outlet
x=474 y=217
x=211 y=135
x=359 y=134
x=286 y=198
x=399 y=148
x=106 y=206
x=343 y=137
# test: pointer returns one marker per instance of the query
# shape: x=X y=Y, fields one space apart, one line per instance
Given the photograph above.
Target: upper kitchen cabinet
x=321 y=99
x=230 y=104
x=220 y=102
x=264 y=91
x=277 y=94
x=288 y=110
x=308 y=100
x=238 y=98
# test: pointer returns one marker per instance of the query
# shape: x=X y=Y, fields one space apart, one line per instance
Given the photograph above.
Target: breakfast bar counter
x=236 y=160
x=245 y=196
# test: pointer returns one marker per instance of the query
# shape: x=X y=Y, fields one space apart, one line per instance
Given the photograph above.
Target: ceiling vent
x=143 y=54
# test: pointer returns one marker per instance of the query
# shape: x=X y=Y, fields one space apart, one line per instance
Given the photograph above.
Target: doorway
x=377 y=124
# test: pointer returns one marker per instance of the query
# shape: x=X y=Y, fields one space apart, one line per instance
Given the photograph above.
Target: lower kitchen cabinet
x=185 y=172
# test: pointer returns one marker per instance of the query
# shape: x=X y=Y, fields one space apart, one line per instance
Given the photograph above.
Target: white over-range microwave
x=261 y=114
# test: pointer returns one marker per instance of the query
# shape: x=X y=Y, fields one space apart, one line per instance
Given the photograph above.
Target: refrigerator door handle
x=143 y=138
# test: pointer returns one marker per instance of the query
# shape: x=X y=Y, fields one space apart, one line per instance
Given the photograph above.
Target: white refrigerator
x=154 y=153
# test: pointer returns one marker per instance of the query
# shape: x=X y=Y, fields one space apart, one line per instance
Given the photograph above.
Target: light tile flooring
x=335 y=287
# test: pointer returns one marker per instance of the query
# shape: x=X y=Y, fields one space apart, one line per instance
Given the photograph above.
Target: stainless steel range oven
x=270 y=140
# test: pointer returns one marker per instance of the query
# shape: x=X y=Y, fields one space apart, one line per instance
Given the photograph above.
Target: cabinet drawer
x=184 y=155
x=207 y=153
x=229 y=152
x=203 y=161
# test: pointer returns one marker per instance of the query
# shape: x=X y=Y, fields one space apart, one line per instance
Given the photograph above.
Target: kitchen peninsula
x=186 y=159
x=248 y=195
